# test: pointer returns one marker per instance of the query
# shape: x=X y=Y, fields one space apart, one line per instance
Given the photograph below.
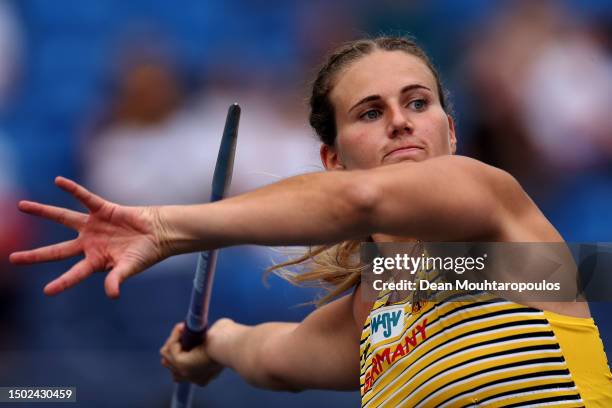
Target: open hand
x=119 y=239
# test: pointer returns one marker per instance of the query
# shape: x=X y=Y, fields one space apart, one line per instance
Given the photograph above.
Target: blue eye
x=418 y=104
x=371 y=114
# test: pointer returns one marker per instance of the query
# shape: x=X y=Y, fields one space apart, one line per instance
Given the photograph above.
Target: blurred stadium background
x=129 y=98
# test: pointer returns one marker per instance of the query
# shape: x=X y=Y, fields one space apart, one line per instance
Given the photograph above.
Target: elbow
x=273 y=370
x=363 y=196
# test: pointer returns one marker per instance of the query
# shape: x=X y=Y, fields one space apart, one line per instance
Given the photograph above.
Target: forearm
x=309 y=209
x=242 y=348
x=437 y=200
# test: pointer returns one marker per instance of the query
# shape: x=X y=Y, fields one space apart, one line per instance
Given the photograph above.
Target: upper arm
x=321 y=352
x=447 y=198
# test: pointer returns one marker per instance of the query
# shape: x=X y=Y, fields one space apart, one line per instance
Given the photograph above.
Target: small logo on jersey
x=380 y=360
x=387 y=324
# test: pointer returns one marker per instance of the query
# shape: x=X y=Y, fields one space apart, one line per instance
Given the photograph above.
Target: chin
x=402 y=160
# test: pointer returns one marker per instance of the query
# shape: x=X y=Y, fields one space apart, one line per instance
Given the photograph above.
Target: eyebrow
x=377 y=97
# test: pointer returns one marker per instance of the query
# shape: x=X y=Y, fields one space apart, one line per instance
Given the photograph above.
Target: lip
x=401 y=150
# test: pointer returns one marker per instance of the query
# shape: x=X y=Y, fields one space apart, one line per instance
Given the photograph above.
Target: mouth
x=403 y=151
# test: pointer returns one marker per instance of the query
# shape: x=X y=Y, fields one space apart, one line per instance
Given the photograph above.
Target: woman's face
x=387 y=110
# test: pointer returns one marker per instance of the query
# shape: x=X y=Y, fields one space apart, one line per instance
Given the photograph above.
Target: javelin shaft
x=196 y=322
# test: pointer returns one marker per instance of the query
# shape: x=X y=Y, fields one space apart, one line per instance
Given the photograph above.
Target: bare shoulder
x=503 y=186
x=458 y=171
x=450 y=198
x=523 y=220
x=472 y=168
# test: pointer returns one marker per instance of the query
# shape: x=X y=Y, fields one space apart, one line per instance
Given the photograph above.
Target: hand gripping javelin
x=196 y=322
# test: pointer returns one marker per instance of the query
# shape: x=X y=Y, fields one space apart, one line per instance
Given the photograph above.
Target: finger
x=175 y=334
x=174 y=342
x=69 y=218
x=168 y=363
x=53 y=252
x=174 y=337
x=169 y=359
x=177 y=330
x=163 y=351
x=89 y=199
x=175 y=348
x=191 y=358
x=116 y=277
x=173 y=370
x=171 y=339
x=76 y=274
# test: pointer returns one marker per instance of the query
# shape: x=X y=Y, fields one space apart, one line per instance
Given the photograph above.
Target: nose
x=399 y=122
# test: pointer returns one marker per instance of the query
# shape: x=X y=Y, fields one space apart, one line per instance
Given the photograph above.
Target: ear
x=452 y=135
x=330 y=157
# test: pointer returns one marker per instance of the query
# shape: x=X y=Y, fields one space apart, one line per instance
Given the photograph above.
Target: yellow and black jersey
x=480 y=350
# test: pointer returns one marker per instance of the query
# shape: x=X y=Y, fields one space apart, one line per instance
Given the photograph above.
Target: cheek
x=438 y=131
x=357 y=148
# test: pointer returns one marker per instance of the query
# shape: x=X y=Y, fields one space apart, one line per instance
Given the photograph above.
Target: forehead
x=380 y=73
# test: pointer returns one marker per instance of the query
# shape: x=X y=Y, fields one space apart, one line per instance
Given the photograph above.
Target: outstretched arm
x=441 y=199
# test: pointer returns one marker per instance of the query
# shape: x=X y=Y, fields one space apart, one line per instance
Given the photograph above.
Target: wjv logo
x=387 y=323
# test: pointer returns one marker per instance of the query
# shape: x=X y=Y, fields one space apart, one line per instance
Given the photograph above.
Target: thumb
x=115 y=278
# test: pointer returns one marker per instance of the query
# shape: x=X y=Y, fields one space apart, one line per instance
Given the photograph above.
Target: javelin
x=196 y=322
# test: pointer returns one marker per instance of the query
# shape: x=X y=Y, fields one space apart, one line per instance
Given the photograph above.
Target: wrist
x=173 y=233
x=222 y=341
x=159 y=230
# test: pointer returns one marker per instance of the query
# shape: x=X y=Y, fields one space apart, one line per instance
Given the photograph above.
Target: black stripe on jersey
x=543 y=387
x=519 y=336
x=533 y=376
x=487 y=302
x=365 y=352
x=539 y=319
x=490 y=314
x=543 y=333
x=469 y=305
x=499 y=340
x=497 y=354
x=527 y=322
x=541 y=360
x=560 y=398
x=483 y=330
x=364 y=356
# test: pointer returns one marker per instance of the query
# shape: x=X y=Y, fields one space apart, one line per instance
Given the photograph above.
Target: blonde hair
x=336 y=268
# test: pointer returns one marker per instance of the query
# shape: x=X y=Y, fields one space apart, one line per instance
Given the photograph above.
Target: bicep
x=322 y=352
x=442 y=199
